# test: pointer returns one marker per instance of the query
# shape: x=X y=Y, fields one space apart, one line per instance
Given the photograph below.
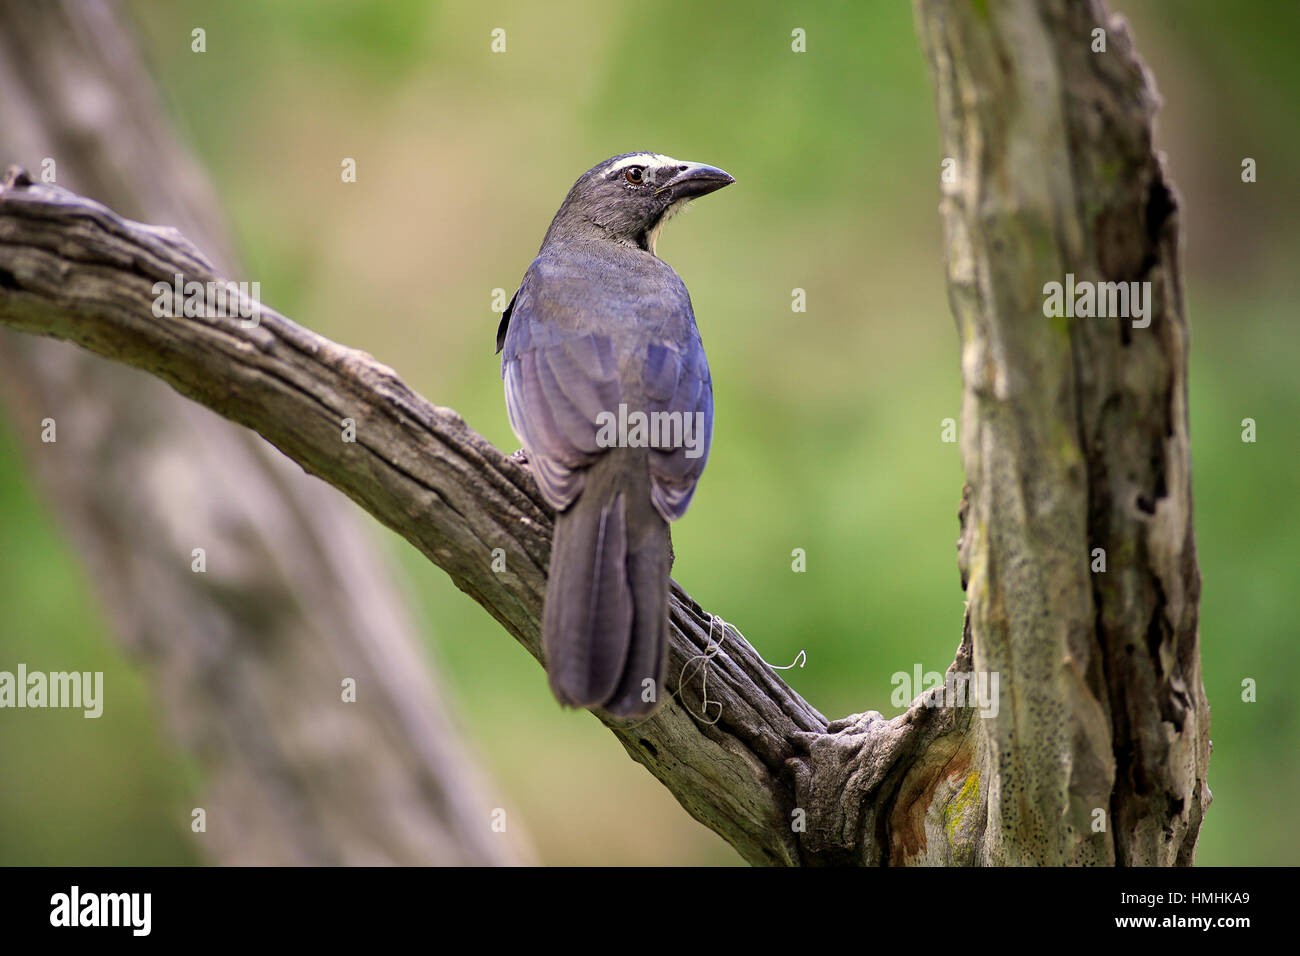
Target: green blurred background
x=828 y=423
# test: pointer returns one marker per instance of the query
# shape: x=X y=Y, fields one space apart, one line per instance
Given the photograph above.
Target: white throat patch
x=653 y=236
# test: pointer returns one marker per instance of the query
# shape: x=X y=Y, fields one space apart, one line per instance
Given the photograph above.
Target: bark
x=1074 y=438
x=247 y=658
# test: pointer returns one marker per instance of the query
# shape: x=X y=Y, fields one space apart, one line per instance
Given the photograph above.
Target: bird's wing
x=677 y=382
x=578 y=325
x=558 y=377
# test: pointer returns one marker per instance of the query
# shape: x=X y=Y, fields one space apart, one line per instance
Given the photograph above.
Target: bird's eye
x=635 y=175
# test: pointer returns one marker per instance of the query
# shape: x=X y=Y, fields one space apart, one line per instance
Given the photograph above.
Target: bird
x=608 y=391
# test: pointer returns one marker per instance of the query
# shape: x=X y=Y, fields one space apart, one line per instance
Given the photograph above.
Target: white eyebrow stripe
x=642 y=159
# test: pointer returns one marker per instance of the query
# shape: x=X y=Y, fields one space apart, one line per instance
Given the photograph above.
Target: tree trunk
x=247 y=658
x=1077 y=547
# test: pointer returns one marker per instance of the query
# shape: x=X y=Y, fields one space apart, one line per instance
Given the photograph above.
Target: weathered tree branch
x=72 y=269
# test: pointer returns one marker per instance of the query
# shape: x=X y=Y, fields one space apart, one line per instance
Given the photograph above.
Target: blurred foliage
x=827 y=432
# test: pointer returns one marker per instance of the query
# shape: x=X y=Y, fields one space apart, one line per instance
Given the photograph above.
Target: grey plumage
x=600 y=322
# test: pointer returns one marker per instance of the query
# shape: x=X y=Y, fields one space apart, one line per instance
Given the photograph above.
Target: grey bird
x=600 y=330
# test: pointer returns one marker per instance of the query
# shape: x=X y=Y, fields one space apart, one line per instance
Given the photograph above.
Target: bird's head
x=628 y=198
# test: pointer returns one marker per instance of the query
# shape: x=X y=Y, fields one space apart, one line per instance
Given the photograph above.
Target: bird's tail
x=605 y=624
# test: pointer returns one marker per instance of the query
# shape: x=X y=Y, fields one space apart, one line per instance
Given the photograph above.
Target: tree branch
x=72 y=269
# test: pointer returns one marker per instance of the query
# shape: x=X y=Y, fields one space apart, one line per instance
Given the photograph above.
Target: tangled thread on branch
x=701 y=660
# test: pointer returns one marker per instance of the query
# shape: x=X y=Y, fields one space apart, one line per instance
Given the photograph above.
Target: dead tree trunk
x=248 y=657
x=1095 y=748
x=1077 y=547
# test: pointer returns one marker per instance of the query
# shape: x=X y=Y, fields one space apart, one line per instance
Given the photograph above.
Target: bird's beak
x=695 y=180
